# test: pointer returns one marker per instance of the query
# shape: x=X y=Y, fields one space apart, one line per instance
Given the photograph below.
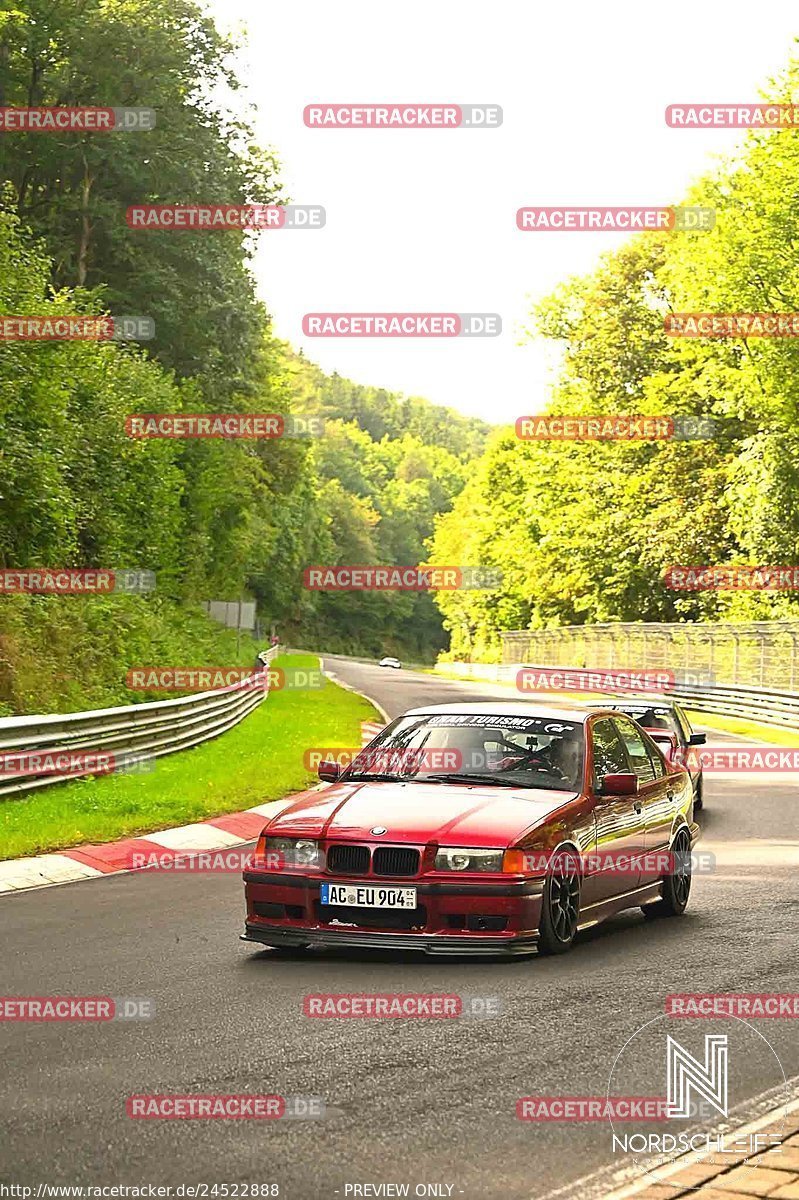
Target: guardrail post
x=735 y=652
x=762 y=656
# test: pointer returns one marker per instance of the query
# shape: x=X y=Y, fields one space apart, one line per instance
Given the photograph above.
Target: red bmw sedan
x=478 y=829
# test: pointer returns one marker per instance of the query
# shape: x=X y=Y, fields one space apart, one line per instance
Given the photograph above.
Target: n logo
x=684 y=1074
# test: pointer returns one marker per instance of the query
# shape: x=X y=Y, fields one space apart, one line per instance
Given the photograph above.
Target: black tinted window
x=636 y=750
x=610 y=757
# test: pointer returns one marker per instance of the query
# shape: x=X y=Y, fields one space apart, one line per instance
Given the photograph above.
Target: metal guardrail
x=770 y=708
x=130 y=733
x=759 y=704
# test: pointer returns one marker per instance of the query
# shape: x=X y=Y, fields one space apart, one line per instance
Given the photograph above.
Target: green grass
x=261 y=759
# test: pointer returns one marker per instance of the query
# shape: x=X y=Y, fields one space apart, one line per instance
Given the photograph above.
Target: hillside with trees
x=213 y=519
x=583 y=531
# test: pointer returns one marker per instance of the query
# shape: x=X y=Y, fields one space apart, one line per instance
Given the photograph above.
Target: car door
x=656 y=793
x=620 y=827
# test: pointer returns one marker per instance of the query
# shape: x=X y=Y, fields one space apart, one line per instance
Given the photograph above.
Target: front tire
x=560 y=906
x=677 y=884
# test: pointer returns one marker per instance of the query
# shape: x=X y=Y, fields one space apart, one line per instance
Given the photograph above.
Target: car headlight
x=297 y=853
x=456 y=858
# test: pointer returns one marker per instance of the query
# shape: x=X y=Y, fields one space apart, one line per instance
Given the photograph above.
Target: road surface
x=412 y=1102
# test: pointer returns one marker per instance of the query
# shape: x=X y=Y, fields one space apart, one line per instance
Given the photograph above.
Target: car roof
x=634 y=702
x=504 y=709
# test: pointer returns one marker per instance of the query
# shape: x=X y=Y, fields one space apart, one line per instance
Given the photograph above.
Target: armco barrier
x=758 y=704
x=771 y=708
x=486 y=672
x=149 y=730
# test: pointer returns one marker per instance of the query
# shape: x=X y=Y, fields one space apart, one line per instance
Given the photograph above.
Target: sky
x=424 y=220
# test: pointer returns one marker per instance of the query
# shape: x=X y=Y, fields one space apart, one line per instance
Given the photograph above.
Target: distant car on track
x=478 y=829
x=668 y=725
x=390 y=662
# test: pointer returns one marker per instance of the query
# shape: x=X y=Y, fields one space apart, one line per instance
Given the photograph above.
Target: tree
x=73 y=188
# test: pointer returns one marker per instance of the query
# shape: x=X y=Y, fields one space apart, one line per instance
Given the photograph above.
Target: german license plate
x=364 y=896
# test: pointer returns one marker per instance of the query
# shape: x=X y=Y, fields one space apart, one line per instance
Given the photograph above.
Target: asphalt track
x=408 y=1101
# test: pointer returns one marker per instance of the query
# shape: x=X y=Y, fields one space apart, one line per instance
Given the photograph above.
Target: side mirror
x=623 y=784
x=328 y=771
x=697 y=739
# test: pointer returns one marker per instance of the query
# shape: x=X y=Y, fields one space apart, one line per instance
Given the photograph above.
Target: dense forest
x=584 y=531
x=212 y=519
x=581 y=531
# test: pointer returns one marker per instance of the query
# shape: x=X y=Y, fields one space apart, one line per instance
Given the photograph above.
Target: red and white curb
x=112 y=858
x=369 y=729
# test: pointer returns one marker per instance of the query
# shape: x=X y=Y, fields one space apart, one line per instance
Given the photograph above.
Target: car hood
x=454 y=814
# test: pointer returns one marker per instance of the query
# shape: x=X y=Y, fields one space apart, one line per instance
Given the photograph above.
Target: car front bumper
x=277 y=935
x=450 y=918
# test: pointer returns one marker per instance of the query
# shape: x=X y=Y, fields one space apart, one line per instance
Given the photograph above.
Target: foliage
x=583 y=531
x=212 y=519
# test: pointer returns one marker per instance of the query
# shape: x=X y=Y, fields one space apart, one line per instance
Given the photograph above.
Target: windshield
x=523 y=752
